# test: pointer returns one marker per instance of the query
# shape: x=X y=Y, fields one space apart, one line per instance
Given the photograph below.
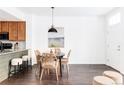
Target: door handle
x=118 y=46
x=118 y=49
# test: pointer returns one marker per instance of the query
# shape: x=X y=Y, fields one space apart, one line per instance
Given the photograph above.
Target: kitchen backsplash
x=21 y=44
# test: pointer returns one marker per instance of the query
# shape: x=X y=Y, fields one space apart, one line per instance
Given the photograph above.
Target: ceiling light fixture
x=52 y=29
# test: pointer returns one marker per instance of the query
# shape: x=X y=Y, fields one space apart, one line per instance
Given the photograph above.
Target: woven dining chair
x=65 y=61
x=38 y=60
x=49 y=62
x=57 y=50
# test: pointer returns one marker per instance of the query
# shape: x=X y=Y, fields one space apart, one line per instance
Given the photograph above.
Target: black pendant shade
x=52 y=29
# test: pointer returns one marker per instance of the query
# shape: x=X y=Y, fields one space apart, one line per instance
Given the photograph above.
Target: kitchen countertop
x=5 y=58
x=8 y=52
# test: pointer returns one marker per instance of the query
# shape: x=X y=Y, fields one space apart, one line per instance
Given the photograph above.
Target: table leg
x=60 y=67
x=40 y=68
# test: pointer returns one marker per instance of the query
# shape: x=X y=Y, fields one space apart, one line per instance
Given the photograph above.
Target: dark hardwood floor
x=78 y=75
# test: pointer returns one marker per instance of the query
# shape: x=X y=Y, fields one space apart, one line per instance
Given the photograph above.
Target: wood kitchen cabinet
x=13 y=31
x=16 y=29
x=4 y=26
x=0 y=26
x=21 y=31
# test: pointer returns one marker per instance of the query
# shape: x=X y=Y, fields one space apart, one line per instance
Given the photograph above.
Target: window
x=114 y=19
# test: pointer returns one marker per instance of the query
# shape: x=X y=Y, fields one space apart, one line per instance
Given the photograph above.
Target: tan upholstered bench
x=117 y=77
x=102 y=80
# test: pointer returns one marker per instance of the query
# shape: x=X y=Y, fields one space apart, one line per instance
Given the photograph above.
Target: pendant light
x=52 y=29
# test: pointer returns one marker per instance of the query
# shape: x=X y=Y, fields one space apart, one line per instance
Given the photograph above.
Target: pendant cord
x=52 y=16
x=52 y=29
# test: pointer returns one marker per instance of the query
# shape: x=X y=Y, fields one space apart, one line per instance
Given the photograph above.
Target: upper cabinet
x=0 y=26
x=21 y=30
x=13 y=31
x=16 y=29
x=4 y=26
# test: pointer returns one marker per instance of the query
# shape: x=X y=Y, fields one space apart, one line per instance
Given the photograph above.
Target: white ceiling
x=67 y=11
x=6 y=16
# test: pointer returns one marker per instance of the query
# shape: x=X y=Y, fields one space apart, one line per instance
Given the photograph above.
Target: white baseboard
x=87 y=62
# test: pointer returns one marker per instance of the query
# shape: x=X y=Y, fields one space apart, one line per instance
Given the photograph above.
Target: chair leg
x=30 y=63
x=41 y=74
x=56 y=74
x=9 y=72
x=63 y=66
x=67 y=66
x=27 y=65
x=15 y=71
x=40 y=69
x=48 y=71
x=37 y=69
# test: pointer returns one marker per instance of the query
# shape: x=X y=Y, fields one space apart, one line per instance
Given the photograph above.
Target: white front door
x=113 y=47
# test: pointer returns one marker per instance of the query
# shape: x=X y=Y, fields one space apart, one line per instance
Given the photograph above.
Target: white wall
x=84 y=35
x=28 y=19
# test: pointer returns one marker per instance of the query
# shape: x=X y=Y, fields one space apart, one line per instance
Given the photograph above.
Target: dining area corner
x=51 y=63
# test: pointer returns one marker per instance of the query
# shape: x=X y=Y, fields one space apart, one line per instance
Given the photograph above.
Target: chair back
x=38 y=56
x=68 y=55
x=57 y=50
x=37 y=52
x=50 y=59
